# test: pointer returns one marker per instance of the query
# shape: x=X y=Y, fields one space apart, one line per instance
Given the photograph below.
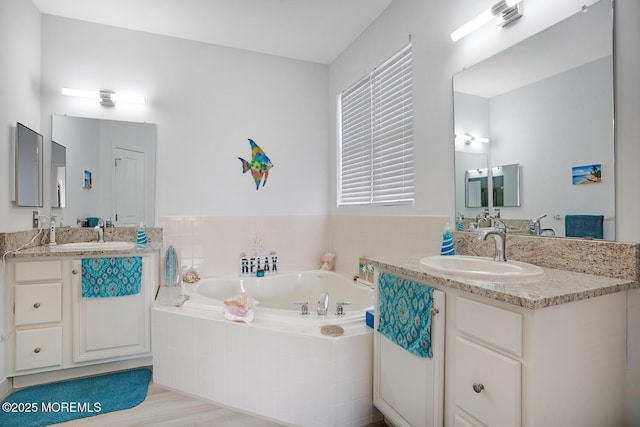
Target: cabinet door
x=110 y=327
x=487 y=384
x=409 y=390
x=38 y=348
x=38 y=303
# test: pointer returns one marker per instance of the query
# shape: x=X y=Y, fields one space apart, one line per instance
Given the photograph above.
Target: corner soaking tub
x=280 y=296
x=280 y=366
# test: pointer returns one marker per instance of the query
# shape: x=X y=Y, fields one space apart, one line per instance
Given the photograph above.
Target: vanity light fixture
x=468 y=139
x=106 y=98
x=506 y=12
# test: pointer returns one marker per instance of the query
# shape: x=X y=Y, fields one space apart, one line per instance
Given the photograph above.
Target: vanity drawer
x=38 y=348
x=495 y=326
x=38 y=303
x=487 y=384
x=36 y=271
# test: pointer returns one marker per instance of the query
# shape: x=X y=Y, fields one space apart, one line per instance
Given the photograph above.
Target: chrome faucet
x=323 y=304
x=483 y=216
x=534 y=225
x=100 y=229
x=499 y=234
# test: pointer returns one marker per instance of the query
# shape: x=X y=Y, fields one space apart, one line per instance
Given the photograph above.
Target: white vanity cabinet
x=563 y=364
x=37 y=314
x=50 y=328
x=488 y=372
x=555 y=366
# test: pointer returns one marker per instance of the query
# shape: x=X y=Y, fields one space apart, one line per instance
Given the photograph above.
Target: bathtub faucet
x=323 y=304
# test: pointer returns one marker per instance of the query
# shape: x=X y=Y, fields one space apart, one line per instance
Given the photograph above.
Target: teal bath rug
x=68 y=400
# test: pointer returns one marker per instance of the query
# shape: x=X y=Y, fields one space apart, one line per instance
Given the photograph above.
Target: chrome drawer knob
x=36 y=350
x=74 y=271
x=478 y=387
x=36 y=305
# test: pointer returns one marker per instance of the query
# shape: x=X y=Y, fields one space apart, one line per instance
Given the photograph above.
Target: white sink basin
x=479 y=268
x=93 y=246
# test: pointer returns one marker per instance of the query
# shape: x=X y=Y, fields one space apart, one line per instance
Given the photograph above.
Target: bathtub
x=280 y=366
x=279 y=296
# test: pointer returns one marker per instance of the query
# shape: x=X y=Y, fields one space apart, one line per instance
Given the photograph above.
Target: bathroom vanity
x=551 y=352
x=51 y=331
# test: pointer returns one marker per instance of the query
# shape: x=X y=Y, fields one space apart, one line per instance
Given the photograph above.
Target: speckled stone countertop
x=11 y=241
x=557 y=287
x=47 y=251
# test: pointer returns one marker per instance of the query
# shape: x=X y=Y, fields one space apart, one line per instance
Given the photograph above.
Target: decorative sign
x=588 y=174
x=259 y=165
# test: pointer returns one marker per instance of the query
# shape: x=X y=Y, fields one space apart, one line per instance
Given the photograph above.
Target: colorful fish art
x=259 y=165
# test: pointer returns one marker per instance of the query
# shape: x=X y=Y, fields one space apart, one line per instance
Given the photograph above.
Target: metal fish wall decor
x=259 y=164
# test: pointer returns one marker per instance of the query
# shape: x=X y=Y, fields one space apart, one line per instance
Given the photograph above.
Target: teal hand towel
x=584 y=226
x=405 y=313
x=111 y=277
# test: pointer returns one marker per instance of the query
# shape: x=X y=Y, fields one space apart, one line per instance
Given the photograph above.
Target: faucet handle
x=340 y=308
x=304 y=307
x=499 y=225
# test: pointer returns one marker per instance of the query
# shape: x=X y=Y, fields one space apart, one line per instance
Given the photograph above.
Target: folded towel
x=111 y=277
x=405 y=313
x=583 y=226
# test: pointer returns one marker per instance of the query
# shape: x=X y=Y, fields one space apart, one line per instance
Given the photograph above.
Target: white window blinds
x=376 y=136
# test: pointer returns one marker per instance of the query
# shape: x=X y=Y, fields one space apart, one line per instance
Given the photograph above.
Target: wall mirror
x=110 y=170
x=547 y=105
x=28 y=167
x=505 y=187
x=58 y=175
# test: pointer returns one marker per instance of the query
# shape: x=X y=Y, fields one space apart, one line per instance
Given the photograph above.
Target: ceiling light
x=506 y=12
x=468 y=139
x=106 y=98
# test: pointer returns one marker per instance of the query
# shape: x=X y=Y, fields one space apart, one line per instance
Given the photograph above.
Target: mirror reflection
x=505 y=185
x=58 y=175
x=110 y=170
x=547 y=105
x=28 y=167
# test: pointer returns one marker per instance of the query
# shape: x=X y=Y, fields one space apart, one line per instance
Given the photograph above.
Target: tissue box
x=369 y=318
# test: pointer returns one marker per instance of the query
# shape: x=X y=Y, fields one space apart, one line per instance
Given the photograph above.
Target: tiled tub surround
x=213 y=243
x=283 y=371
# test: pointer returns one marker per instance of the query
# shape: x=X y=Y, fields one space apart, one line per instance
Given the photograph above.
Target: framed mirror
x=58 y=175
x=547 y=105
x=28 y=167
x=110 y=170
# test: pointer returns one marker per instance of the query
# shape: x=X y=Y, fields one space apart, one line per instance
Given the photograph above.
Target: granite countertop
x=46 y=251
x=557 y=287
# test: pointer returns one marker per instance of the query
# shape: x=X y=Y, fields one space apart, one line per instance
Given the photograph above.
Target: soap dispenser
x=141 y=241
x=52 y=232
x=447 y=242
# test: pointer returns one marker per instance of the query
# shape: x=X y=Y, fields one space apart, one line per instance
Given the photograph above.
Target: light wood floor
x=164 y=408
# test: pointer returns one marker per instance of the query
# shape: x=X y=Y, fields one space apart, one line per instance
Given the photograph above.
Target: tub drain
x=332 y=330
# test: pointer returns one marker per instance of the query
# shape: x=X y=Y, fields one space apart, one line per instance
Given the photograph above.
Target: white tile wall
x=355 y=236
x=307 y=380
x=212 y=244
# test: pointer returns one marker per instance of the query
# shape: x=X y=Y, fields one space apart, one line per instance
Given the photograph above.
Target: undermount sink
x=479 y=268
x=93 y=246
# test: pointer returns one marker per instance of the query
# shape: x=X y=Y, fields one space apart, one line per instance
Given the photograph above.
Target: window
x=376 y=136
